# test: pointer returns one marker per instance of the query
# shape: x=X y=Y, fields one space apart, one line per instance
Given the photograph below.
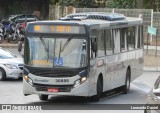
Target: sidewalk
x=151 y=63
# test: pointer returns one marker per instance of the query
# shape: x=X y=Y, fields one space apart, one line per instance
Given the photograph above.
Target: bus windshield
x=55 y=52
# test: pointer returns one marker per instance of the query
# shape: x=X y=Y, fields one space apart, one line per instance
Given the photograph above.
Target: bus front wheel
x=99 y=91
x=126 y=87
x=43 y=97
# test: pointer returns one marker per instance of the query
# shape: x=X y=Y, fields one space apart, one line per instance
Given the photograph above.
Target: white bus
x=83 y=54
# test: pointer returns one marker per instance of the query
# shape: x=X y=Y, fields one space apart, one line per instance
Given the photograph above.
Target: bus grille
x=61 y=88
x=50 y=73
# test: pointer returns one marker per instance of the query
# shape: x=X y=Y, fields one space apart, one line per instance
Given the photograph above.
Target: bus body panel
x=81 y=90
x=112 y=67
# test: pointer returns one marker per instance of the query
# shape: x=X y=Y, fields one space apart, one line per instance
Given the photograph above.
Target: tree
x=75 y=3
x=152 y=4
x=121 y=4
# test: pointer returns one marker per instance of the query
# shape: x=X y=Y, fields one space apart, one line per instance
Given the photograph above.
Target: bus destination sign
x=56 y=29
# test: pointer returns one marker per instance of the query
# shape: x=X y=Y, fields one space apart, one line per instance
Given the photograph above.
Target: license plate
x=53 y=90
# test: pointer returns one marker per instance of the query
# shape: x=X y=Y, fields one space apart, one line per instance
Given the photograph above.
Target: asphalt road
x=11 y=92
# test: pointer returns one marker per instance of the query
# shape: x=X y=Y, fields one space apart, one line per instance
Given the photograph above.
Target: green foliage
x=152 y=4
x=15 y=8
x=75 y=3
x=85 y=3
x=121 y=4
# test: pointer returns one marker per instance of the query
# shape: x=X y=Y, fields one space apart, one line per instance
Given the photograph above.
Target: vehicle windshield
x=4 y=54
x=55 y=52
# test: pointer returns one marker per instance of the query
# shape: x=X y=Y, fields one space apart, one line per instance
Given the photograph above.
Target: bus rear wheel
x=43 y=97
x=126 y=87
x=99 y=91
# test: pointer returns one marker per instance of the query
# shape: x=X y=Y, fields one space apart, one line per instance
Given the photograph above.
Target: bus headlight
x=27 y=79
x=30 y=81
x=80 y=81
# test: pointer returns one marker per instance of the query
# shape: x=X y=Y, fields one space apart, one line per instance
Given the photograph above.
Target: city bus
x=82 y=54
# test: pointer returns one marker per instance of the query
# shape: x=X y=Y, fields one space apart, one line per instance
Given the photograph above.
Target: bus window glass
x=56 y=52
x=123 y=38
x=131 y=38
x=139 y=40
x=109 y=42
x=94 y=35
x=141 y=35
x=101 y=48
x=116 y=35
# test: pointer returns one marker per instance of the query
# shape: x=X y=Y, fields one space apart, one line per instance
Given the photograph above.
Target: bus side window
x=139 y=40
x=116 y=36
x=123 y=38
x=131 y=38
x=109 y=42
x=101 y=42
x=93 y=44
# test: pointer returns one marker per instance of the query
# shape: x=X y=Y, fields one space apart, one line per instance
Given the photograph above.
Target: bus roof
x=94 y=18
x=90 y=22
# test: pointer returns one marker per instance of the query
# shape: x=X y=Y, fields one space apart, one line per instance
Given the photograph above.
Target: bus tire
x=43 y=97
x=97 y=97
x=2 y=74
x=126 y=87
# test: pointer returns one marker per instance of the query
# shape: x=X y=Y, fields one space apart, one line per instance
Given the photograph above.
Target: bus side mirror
x=20 y=46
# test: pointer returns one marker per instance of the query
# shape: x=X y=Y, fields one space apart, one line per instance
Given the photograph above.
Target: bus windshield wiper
x=61 y=49
x=45 y=47
x=66 y=43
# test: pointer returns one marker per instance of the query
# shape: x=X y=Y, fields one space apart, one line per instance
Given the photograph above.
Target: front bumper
x=80 y=90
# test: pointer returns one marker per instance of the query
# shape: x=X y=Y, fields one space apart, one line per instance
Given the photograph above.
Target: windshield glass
x=4 y=54
x=55 y=52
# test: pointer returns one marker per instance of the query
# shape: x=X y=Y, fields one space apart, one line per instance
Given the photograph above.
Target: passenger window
x=109 y=42
x=131 y=38
x=138 y=41
x=123 y=35
x=116 y=35
x=101 y=48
